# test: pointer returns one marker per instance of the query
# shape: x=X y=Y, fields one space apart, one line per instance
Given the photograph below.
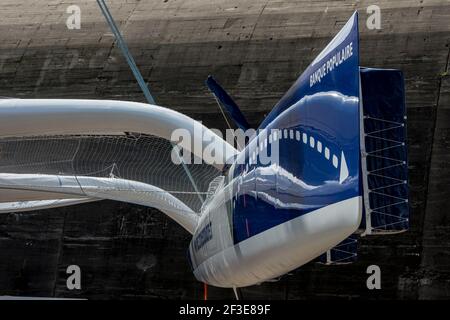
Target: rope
x=144 y=87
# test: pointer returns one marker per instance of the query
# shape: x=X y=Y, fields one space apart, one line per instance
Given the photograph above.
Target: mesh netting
x=141 y=158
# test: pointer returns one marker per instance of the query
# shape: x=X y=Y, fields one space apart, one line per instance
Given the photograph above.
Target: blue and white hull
x=289 y=245
x=270 y=217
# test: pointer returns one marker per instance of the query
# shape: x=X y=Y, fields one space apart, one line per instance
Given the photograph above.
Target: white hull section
x=41 y=117
x=103 y=188
x=24 y=206
x=282 y=248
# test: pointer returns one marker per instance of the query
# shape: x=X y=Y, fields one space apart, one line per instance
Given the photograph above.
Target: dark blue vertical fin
x=225 y=100
x=385 y=171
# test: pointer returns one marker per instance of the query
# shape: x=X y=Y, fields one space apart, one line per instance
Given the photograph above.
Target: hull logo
x=203 y=237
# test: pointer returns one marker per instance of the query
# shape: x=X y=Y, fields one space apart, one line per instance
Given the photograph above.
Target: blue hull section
x=316 y=126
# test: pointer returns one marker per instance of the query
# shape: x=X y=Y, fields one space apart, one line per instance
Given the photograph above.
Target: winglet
x=227 y=102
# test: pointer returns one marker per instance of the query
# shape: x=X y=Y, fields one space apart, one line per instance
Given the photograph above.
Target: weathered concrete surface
x=256 y=49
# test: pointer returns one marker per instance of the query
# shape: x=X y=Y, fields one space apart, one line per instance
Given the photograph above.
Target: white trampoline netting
x=144 y=158
x=50 y=170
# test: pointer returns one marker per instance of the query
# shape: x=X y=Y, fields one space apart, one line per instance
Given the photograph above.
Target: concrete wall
x=256 y=49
